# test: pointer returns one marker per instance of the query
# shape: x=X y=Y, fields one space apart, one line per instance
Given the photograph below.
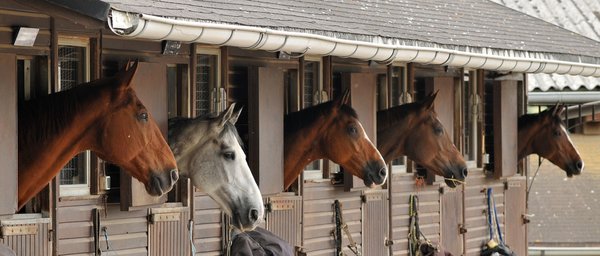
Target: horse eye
x=352 y=130
x=229 y=156
x=557 y=134
x=143 y=116
x=438 y=130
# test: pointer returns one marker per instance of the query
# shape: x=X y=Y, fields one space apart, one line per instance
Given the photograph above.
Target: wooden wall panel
x=266 y=106
x=475 y=207
x=505 y=126
x=127 y=232
x=208 y=225
x=75 y=228
x=401 y=187
x=318 y=222
x=8 y=134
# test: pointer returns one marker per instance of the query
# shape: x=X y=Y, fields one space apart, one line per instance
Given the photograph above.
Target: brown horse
x=414 y=130
x=545 y=134
x=104 y=116
x=330 y=130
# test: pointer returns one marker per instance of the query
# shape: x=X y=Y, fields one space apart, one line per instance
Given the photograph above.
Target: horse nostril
x=174 y=175
x=253 y=215
x=579 y=165
x=464 y=172
x=383 y=172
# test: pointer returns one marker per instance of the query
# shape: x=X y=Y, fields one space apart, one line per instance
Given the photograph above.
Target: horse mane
x=389 y=117
x=297 y=120
x=47 y=116
x=530 y=119
x=177 y=123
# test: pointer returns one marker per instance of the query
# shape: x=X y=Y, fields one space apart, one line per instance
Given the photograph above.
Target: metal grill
x=205 y=81
x=70 y=66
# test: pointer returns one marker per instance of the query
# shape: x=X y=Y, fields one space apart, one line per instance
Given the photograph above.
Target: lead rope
x=105 y=231
x=533 y=179
x=191 y=230
x=339 y=225
x=492 y=208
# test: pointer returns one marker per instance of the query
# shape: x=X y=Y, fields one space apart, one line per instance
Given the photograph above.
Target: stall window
x=471 y=110
x=209 y=96
x=73 y=70
x=312 y=94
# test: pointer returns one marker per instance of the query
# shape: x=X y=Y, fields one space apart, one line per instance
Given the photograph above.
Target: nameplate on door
x=28 y=229
x=282 y=205
x=162 y=217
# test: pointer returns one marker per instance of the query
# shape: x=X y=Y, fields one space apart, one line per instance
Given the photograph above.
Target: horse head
x=345 y=142
x=129 y=137
x=545 y=134
x=209 y=152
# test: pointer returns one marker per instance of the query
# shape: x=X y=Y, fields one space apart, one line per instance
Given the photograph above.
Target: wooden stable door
x=8 y=134
x=363 y=99
x=150 y=85
x=266 y=106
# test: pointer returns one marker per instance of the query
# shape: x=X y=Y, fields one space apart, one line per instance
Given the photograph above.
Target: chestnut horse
x=414 y=130
x=330 y=130
x=209 y=151
x=545 y=134
x=103 y=116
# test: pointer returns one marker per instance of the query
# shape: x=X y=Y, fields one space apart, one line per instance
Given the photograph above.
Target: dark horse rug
x=259 y=242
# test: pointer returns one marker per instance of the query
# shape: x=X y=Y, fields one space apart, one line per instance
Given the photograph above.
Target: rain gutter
x=150 y=27
x=567 y=97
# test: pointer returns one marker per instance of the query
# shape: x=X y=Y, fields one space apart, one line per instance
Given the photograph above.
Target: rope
x=191 y=232
x=533 y=179
x=339 y=226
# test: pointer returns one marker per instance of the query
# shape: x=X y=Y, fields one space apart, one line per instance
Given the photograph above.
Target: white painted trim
x=152 y=27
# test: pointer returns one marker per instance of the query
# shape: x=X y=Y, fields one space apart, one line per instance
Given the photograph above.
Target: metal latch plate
x=170 y=216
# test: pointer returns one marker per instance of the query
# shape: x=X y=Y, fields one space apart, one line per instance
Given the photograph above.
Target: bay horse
x=414 y=130
x=104 y=116
x=330 y=130
x=545 y=134
x=209 y=151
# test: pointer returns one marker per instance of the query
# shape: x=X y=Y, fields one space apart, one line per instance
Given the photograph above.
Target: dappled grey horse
x=209 y=151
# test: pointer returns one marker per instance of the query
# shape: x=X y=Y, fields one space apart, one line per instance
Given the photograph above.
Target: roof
x=566 y=210
x=580 y=16
x=422 y=22
x=443 y=32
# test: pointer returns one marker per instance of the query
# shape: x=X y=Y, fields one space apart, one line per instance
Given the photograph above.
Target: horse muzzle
x=375 y=174
x=246 y=219
x=455 y=176
x=162 y=182
x=575 y=168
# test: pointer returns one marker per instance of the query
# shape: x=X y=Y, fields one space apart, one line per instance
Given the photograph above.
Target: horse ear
x=559 y=110
x=225 y=116
x=235 y=116
x=429 y=100
x=345 y=99
x=126 y=76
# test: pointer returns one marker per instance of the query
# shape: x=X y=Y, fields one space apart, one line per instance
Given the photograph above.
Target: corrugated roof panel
x=580 y=16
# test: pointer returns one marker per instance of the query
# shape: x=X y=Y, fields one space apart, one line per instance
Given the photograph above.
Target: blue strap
x=489 y=213
x=491 y=202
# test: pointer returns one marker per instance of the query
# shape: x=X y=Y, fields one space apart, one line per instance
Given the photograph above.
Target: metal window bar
x=71 y=70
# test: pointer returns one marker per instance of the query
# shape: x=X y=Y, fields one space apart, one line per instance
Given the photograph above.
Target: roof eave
x=152 y=27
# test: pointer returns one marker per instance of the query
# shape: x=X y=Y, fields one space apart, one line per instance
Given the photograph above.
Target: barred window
x=206 y=84
x=72 y=68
